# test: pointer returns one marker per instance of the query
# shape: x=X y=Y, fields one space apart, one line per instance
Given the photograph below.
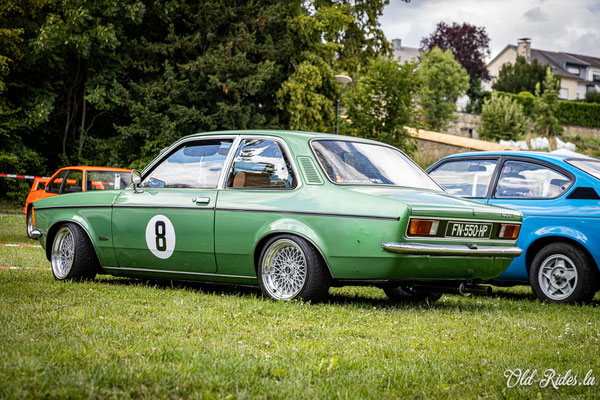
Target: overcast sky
x=555 y=25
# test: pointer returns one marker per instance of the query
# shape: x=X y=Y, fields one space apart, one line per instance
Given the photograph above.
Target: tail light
x=427 y=227
x=509 y=231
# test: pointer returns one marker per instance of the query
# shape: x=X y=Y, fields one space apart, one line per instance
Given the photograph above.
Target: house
x=578 y=73
x=403 y=53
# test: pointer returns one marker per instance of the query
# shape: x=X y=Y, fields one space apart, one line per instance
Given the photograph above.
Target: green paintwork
x=221 y=243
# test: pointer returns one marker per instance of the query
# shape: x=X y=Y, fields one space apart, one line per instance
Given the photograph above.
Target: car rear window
x=590 y=167
x=357 y=163
x=106 y=180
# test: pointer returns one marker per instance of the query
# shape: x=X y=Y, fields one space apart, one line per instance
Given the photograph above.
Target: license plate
x=468 y=230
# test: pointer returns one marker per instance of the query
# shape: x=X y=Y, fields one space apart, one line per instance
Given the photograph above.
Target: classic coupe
x=291 y=212
x=72 y=180
x=559 y=198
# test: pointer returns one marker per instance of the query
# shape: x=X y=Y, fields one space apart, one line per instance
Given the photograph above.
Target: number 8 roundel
x=160 y=236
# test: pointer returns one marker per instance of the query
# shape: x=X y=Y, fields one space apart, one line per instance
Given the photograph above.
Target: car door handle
x=201 y=200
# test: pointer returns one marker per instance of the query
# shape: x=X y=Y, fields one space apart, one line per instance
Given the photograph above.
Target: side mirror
x=136 y=179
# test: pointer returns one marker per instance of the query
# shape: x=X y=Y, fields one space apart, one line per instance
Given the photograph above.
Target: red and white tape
x=40 y=268
x=21 y=176
x=18 y=245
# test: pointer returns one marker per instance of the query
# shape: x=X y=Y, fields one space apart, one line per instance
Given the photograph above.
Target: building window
x=573 y=70
x=596 y=77
x=563 y=93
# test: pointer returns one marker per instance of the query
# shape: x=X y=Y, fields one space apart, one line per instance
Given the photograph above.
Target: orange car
x=74 y=179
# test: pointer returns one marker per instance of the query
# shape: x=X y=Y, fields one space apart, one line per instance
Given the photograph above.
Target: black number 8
x=161 y=241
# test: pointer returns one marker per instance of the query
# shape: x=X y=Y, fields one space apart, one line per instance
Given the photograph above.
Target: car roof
x=95 y=168
x=539 y=155
x=283 y=134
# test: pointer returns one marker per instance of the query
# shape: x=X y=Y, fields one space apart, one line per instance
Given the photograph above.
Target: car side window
x=525 y=180
x=465 y=178
x=74 y=181
x=261 y=163
x=56 y=183
x=195 y=165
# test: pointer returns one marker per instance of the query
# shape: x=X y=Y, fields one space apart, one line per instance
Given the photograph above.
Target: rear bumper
x=452 y=250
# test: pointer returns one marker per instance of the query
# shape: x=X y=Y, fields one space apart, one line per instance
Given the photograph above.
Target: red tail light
x=509 y=231
x=427 y=227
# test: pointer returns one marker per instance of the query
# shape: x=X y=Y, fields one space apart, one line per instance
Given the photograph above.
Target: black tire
x=408 y=294
x=29 y=223
x=84 y=263
x=573 y=280
x=271 y=271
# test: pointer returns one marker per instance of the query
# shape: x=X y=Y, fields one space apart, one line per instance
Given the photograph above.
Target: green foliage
x=545 y=105
x=443 y=82
x=381 y=103
x=592 y=96
x=520 y=76
x=575 y=113
x=502 y=118
x=568 y=112
x=112 y=82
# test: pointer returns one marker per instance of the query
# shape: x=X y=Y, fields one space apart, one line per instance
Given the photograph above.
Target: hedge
x=569 y=112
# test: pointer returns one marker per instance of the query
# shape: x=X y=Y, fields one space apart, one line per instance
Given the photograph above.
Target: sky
x=555 y=25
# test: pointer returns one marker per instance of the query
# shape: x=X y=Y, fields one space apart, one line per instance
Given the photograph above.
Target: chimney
x=397 y=43
x=524 y=48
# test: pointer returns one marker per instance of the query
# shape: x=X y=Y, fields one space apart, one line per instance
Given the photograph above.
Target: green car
x=293 y=212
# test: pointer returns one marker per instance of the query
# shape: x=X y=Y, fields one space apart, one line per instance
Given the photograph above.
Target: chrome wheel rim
x=63 y=252
x=29 y=224
x=283 y=270
x=558 y=277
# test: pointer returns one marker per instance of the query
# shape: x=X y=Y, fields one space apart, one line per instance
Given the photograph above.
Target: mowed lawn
x=119 y=338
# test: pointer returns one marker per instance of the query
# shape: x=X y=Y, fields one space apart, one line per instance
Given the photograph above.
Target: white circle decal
x=160 y=236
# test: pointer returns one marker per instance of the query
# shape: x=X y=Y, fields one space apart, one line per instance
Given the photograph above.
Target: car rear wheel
x=408 y=294
x=290 y=268
x=563 y=273
x=72 y=255
x=29 y=223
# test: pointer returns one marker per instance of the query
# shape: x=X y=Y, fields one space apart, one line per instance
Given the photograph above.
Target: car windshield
x=591 y=167
x=355 y=163
x=106 y=180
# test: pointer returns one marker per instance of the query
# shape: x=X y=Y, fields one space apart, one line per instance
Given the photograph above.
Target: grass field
x=120 y=338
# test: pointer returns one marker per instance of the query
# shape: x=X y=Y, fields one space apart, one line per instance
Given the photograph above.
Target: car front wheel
x=290 y=268
x=563 y=273
x=29 y=223
x=72 y=254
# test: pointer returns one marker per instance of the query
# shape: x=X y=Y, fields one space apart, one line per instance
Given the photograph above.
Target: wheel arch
x=54 y=228
x=268 y=235
x=541 y=242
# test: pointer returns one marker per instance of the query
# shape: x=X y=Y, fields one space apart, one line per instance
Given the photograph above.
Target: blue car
x=559 y=197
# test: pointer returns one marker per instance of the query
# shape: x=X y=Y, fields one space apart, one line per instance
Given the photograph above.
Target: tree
x=470 y=46
x=443 y=82
x=502 y=118
x=382 y=102
x=545 y=105
x=520 y=76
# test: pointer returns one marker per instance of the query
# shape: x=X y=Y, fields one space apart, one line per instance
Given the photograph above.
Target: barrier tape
x=22 y=176
x=19 y=245
x=37 y=268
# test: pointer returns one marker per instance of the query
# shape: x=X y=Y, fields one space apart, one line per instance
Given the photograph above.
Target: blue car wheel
x=562 y=273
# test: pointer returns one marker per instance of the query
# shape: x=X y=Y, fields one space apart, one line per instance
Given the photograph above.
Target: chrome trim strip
x=309 y=213
x=82 y=206
x=162 y=207
x=452 y=250
x=162 y=271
